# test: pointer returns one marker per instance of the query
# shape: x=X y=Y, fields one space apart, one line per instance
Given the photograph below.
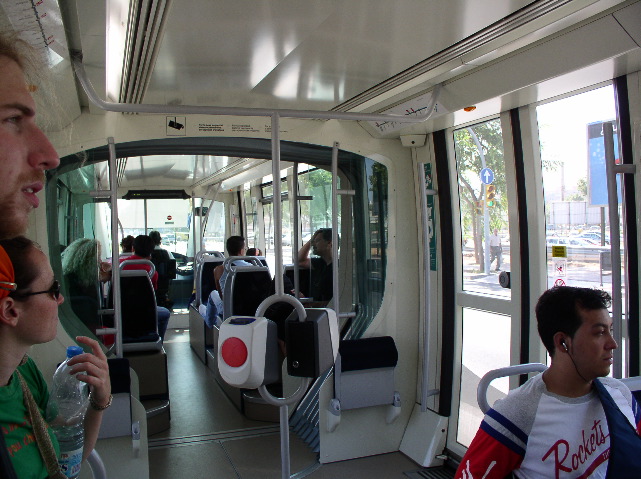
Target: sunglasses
x=54 y=291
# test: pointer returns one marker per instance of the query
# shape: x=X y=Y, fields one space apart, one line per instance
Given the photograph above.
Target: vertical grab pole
x=335 y=228
x=115 y=269
x=278 y=227
x=278 y=277
x=615 y=245
x=425 y=393
x=296 y=233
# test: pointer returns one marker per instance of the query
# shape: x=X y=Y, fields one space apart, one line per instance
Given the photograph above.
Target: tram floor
x=208 y=437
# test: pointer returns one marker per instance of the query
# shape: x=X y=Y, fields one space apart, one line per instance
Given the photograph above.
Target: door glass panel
x=574 y=182
x=484 y=208
x=214 y=236
x=486 y=346
x=268 y=218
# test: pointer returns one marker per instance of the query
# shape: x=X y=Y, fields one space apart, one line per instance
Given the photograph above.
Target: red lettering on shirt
x=13 y=448
x=28 y=439
x=561 y=449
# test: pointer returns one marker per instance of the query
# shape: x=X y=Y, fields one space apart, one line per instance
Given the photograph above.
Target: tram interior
x=447 y=80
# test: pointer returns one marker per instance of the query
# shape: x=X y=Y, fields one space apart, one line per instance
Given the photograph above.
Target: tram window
x=574 y=183
x=214 y=235
x=268 y=220
x=486 y=346
x=78 y=216
x=317 y=213
x=485 y=241
x=251 y=216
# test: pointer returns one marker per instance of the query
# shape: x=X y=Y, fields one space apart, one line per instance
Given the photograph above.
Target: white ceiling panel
x=303 y=54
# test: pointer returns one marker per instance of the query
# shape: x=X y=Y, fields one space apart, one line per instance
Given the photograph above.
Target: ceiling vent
x=146 y=21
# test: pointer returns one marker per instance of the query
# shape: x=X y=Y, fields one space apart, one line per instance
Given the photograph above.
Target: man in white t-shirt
x=555 y=424
x=496 y=249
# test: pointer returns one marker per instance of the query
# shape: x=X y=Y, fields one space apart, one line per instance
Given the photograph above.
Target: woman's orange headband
x=7 y=275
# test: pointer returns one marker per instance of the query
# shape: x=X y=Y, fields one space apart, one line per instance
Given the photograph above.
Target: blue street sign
x=487 y=176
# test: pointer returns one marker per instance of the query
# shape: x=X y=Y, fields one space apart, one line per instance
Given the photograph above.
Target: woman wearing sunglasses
x=29 y=300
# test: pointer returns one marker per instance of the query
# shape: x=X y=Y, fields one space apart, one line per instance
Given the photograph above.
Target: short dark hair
x=254 y=252
x=559 y=310
x=18 y=250
x=143 y=246
x=234 y=245
x=326 y=233
x=155 y=237
x=127 y=244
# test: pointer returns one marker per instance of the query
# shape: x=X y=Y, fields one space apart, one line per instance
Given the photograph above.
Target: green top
x=16 y=427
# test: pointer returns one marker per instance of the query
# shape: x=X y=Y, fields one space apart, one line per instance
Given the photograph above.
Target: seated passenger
x=214 y=309
x=82 y=271
x=29 y=300
x=143 y=246
x=321 y=284
x=161 y=258
x=254 y=252
x=127 y=246
x=157 y=239
x=555 y=424
x=235 y=247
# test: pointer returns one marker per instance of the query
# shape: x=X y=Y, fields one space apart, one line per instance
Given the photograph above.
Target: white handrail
x=220 y=110
x=97 y=466
x=484 y=383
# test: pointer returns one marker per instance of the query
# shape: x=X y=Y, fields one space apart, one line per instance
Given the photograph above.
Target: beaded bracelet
x=97 y=407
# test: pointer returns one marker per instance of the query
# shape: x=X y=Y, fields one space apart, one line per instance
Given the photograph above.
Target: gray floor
x=208 y=437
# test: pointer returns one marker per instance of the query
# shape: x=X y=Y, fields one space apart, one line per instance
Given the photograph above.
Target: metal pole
x=335 y=227
x=615 y=246
x=296 y=233
x=218 y=110
x=278 y=226
x=115 y=264
x=425 y=393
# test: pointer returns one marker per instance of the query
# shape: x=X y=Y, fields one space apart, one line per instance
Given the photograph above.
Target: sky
x=563 y=134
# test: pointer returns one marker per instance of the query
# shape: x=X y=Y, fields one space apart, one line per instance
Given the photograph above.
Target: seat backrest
x=139 y=313
x=165 y=266
x=304 y=278
x=484 y=383
x=245 y=289
x=634 y=385
x=206 y=262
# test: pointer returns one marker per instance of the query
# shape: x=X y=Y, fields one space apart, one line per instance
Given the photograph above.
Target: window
x=484 y=208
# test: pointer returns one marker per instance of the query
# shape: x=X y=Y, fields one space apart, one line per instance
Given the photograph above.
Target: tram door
x=573 y=206
x=485 y=311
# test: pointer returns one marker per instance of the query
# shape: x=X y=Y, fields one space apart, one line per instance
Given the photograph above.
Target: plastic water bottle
x=66 y=410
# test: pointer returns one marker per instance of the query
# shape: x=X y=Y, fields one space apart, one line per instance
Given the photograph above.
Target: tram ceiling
x=360 y=55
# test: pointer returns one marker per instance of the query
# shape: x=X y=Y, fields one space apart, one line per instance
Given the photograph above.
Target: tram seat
x=245 y=289
x=206 y=261
x=484 y=383
x=364 y=377
x=303 y=278
x=166 y=269
x=634 y=385
x=139 y=313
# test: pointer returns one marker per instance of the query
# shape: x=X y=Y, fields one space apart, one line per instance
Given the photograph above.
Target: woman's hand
x=93 y=369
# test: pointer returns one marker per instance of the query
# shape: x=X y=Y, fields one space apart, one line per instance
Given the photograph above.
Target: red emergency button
x=234 y=352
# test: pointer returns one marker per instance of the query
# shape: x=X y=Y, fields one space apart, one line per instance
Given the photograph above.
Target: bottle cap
x=74 y=351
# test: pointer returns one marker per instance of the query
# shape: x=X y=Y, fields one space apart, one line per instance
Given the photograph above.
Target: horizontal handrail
x=484 y=383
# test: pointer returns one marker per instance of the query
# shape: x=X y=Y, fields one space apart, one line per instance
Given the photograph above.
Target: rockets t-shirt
x=534 y=433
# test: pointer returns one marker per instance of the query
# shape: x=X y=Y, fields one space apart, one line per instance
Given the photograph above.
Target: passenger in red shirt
x=143 y=246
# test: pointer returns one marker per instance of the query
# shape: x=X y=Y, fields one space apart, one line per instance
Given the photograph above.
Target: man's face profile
x=25 y=152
